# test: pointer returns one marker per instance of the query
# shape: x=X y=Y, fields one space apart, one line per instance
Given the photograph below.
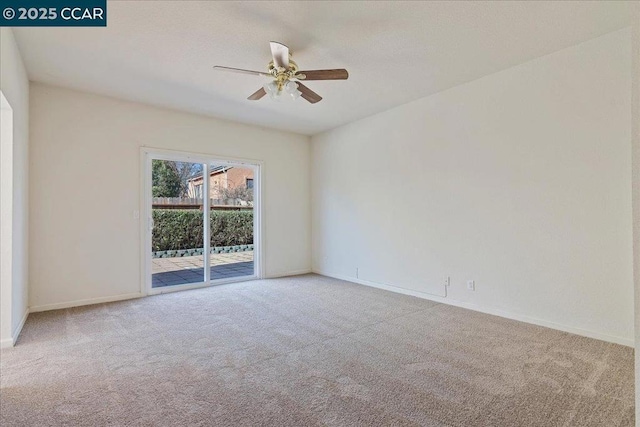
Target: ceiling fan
x=284 y=71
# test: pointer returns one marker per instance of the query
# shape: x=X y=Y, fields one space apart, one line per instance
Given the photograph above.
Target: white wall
x=14 y=85
x=85 y=185
x=520 y=180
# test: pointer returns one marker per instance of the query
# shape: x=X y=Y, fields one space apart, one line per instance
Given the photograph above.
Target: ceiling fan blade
x=308 y=94
x=280 y=55
x=338 y=74
x=239 y=70
x=257 y=94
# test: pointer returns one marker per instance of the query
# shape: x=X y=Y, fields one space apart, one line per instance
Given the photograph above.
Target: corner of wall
x=310 y=202
x=14 y=84
x=635 y=137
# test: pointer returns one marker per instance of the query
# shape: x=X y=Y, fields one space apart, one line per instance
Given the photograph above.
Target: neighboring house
x=220 y=178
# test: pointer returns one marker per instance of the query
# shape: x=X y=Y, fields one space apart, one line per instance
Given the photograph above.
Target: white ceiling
x=162 y=53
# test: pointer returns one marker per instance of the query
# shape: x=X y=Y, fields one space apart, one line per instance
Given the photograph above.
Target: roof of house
x=213 y=171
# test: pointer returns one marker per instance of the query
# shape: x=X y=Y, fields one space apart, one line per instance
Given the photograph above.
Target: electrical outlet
x=357 y=273
x=471 y=285
x=446 y=281
x=136 y=214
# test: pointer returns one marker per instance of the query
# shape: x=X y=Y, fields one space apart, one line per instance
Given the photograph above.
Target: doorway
x=202 y=222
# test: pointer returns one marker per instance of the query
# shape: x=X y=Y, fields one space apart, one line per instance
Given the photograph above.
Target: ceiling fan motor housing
x=283 y=75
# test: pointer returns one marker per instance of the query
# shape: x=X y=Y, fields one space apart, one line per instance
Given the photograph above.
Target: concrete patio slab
x=184 y=270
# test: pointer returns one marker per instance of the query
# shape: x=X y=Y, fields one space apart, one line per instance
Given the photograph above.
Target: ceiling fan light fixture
x=282 y=92
x=271 y=88
x=292 y=89
x=273 y=91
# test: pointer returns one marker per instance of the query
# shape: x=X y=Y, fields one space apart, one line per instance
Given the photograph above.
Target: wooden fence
x=193 y=203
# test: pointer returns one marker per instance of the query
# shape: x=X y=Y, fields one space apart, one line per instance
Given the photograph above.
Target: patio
x=190 y=269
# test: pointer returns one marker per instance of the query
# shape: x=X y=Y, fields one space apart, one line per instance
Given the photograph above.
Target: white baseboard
x=487 y=310
x=90 y=301
x=288 y=273
x=18 y=329
x=10 y=342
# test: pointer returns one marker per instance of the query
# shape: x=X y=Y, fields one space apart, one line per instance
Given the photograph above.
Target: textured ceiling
x=162 y=53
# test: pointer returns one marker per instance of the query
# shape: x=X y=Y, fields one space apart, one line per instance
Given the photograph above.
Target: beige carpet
x=306 y=351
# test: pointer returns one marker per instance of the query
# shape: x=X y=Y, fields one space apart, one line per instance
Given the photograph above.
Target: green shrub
x=182 y=228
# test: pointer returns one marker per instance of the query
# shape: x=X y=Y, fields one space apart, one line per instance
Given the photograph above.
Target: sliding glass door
x=231 y=220
x=202 y=221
